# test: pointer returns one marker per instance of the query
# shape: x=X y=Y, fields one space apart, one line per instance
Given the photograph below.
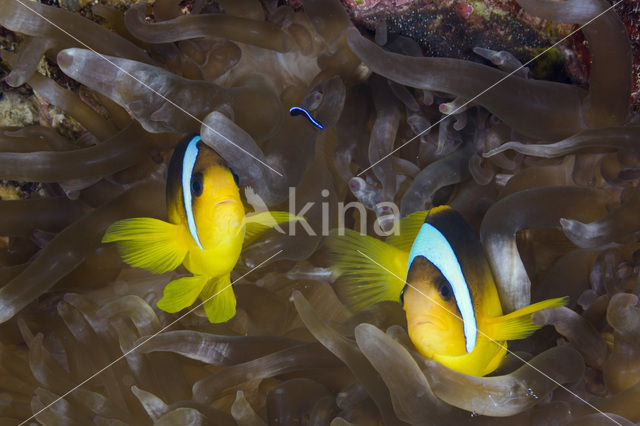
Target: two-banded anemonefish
x=436 y=268
x=207 y=231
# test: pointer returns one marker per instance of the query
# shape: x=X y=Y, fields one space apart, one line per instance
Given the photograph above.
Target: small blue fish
x=298 y=111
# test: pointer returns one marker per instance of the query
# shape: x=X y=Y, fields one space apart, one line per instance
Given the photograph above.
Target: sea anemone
x=545 y=172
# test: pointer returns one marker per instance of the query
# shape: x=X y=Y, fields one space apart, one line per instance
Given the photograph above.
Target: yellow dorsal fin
x=219 y=299
x=409 y=227
x=370 y=270
x=258 y=223
x=148 y=243
x=517 y=324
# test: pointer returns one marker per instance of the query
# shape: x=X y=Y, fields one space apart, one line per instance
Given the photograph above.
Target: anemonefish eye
x=445 y=291
x=197 y=184
x=236 y=178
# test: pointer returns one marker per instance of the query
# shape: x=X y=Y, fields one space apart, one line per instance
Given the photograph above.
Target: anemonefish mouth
x=430 y=321
x=219 y=203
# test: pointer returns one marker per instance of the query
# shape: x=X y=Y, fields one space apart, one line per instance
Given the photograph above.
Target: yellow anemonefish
x=437 y=270
x=207 y=231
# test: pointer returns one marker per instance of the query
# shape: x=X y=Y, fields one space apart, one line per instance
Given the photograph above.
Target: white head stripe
x=188 y=162
x=431 y=244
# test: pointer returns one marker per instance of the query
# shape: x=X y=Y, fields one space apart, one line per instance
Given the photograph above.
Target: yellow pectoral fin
x=370 y=270
x=219 y=299
x=517 y=324
x=181 y=293
x=148 y=243
x=259 y=223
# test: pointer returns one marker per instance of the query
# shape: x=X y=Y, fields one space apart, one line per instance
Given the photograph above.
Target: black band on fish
x=236 y=178
x=402 y=294
x=301 y=111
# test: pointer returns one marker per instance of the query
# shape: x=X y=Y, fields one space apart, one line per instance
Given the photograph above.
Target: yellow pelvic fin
x=181 y=293
x=362 y=282
x=517 y=324
x=259 y=223
x=409 y=227
x=219 y=299
x=148 y=243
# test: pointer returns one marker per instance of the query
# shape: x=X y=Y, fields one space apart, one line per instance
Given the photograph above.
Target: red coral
x=464 y=9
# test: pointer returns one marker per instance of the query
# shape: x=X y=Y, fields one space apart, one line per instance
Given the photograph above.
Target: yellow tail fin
x=370 y=270
x=259 y=223
x=148 y=243
x=517 y=324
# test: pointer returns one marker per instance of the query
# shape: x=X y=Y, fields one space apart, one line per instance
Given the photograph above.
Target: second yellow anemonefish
x=208 y=229
x=437 y=269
